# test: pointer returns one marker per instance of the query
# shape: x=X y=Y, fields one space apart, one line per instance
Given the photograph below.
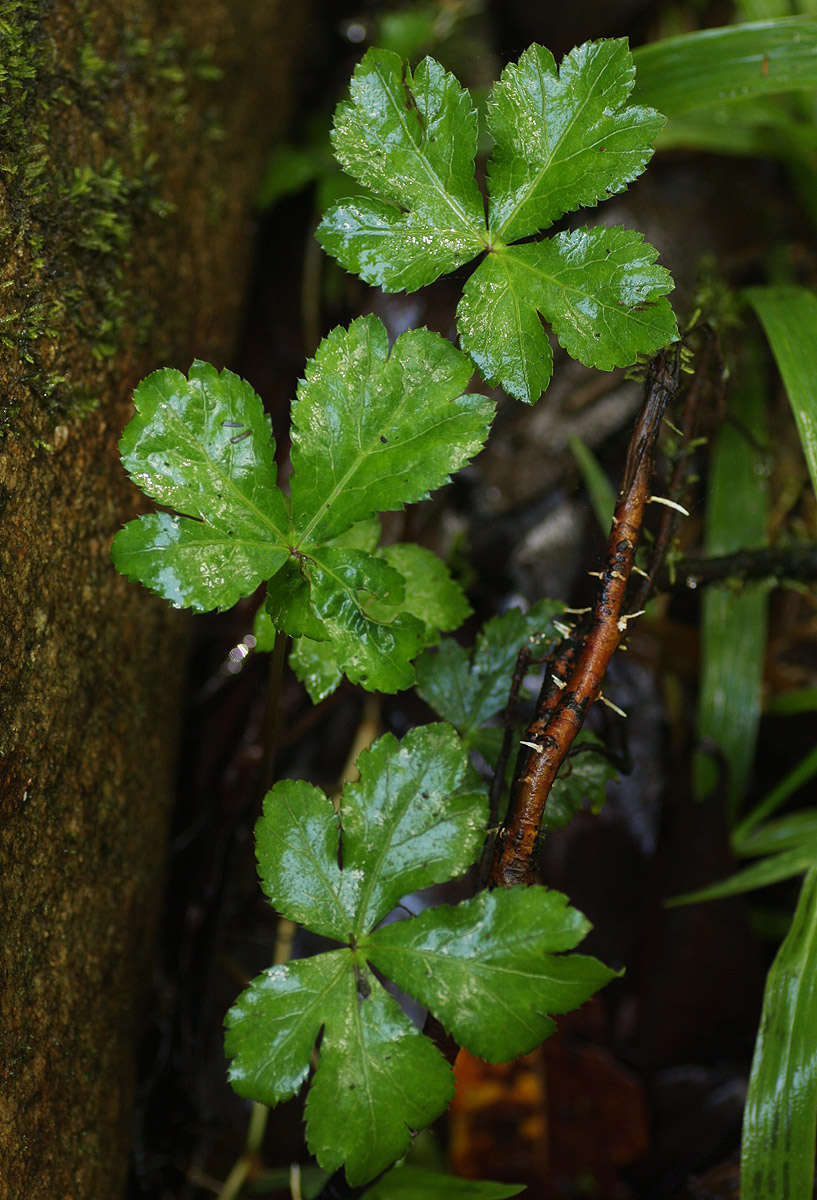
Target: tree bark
x=131 y=139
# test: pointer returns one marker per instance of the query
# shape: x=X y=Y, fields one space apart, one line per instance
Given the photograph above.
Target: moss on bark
x=131 y=139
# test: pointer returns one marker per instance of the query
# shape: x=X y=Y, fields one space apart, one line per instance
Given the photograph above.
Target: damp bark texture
x=132 y=136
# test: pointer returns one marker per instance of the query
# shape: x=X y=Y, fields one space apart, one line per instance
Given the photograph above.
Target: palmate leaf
x=203 y=446
x=373 y=429
x=412 y=819
x=563 y=140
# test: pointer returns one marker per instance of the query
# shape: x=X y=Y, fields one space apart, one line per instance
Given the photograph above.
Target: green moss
x=83 y=184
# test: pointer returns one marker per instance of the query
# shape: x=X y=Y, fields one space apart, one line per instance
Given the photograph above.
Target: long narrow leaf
x=733 y=638
x=781 y=1107
x=799 y=775
x=789 y=317
x=707 y=68
x=601 y=492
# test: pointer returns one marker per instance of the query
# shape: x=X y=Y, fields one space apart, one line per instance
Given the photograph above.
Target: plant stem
x=272 y=720
x=582 y=660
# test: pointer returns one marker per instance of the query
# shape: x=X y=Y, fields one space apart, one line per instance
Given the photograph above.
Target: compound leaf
x=469 y=690
x=378 y=1080
x=203 y=446
x=411 y=140
x=273 y=1026
x=564 y=140
x=316 y=665
x=599 y=288
x=410 y=821
x=374 y=430
x=489 y=969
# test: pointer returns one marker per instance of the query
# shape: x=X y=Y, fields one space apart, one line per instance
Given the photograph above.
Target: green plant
x=374 y=429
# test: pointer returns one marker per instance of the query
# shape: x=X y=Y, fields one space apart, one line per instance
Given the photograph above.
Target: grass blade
x=733 y=634
x=789 y=317
x=781 y=1106
x=713 y=66
x=601 y=492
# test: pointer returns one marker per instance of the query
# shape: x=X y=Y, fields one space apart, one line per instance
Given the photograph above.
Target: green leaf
x=417 y=1183
x=773 y=869
x=369 y=652
x=411 y=140
x=296 y=844
x=564 y=140
x=601 y=491
x=789 y=317
x=203 y=446
x=316 y=665
x=374 y=430
x=733 y=637
x=468 y=690
x=411 y=820
x=777 y=1157
x=378 y=1080
x=489 y=969
x=599 y=288
x=288 y=605
x=273 y=1026
x=712 y=66
x=431 y=594
x=786 y=833
x=797 y=777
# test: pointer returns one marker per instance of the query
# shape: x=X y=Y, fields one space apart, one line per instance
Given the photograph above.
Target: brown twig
x=573 y=678
x=668 y=526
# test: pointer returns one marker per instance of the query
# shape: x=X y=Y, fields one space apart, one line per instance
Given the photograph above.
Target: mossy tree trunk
x=131 y=138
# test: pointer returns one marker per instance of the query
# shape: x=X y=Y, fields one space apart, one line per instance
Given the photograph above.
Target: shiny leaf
x=370 y=652
x=203 y=446
x=378 y=1080
x=789 y=318
x=296 y=844
x=467 y=690
x=777 y=1157
x=564 y=139
x=316 y=665
x=411 y=140
x=599 y=288
x=272 y=1028
x=373 y=429
x=409 y=822
x=490 y=969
